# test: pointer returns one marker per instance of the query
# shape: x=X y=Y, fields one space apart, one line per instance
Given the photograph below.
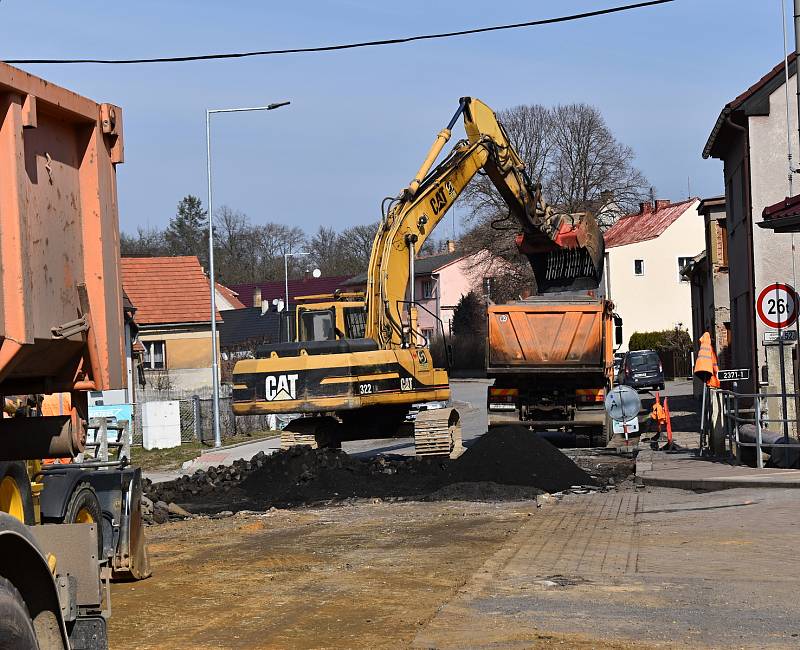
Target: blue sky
x=361 y=121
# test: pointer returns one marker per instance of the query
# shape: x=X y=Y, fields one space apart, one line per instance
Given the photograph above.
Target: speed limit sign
x=777 y=305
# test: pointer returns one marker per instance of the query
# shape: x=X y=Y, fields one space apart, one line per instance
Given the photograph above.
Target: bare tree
x=148 y=242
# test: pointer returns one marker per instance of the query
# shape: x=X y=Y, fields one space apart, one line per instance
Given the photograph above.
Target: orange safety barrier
x=669 y=424
x=706 y=368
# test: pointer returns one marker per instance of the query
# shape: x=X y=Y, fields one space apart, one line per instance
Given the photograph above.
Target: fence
x=197 y=420
x=739 y=424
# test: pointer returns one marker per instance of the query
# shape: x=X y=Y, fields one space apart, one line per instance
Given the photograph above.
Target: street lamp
x=316 y=273
x=214 y=364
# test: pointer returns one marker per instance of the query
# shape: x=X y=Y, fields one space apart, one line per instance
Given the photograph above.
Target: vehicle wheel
x=15 y=492
x=84 y=508
x=660 y=387
x=16 y=627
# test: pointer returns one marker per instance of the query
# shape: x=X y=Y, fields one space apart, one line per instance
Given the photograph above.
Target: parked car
x=618 y=357
x=642 y=369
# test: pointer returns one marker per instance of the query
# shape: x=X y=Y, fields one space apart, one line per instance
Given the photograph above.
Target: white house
x=645 y=254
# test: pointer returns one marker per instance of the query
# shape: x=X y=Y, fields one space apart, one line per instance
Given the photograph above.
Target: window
x=355 y=322
x=155 y=357
x=317 y=325
x=428 y=334
x=638 y=267
x=722 y=233
x=683 y=262
x=427 y=288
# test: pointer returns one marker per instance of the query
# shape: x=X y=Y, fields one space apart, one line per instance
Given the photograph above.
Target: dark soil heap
x=508 y=462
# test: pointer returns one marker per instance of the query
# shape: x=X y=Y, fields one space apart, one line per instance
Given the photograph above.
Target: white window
x=638 y=267
x=427 y=288
x=155 y=357
x=683 y=262
x=428 y=334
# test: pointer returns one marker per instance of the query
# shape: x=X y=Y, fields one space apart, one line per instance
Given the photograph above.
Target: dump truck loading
x=61 y=331
x=551 y=358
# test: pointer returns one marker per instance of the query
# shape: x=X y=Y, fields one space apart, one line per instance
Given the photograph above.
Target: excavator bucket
x=572 y=261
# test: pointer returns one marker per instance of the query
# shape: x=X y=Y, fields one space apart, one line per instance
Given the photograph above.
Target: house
x=750 y=138
x=173 y=305
x=439 y=283
x=226 y=299
x=253 y=294
x=646 y=253
x=708 y=277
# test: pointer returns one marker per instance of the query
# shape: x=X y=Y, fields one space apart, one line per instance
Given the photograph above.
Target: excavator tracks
x=438 y=433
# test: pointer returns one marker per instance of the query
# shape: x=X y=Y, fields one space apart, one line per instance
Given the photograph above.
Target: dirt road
x=366 y=576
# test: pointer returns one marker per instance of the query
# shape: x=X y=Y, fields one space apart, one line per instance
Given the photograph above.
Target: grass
x=164 y=459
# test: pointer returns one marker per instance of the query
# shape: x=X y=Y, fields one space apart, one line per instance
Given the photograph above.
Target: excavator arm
x=565 y=251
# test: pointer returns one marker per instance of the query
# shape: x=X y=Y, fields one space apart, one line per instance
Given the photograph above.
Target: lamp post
x=214 y=364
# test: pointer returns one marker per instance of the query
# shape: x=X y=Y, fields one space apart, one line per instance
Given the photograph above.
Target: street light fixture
x=214 y=364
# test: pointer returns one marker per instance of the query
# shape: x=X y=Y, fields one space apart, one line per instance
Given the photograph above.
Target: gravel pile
x=506 y=463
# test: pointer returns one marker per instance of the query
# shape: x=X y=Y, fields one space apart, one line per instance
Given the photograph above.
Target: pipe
x=797 y=53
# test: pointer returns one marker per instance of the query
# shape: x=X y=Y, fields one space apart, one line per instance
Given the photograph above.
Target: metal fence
x=197 y=420
x=740 y=425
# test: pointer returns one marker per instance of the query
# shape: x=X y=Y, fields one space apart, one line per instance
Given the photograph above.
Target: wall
x=657 y=300
x=772 y=253
x=188 y=352
x=451 y=282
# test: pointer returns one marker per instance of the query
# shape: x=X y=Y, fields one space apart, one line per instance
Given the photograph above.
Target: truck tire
x=16 y=627
x=16 y=497
x=84 y=508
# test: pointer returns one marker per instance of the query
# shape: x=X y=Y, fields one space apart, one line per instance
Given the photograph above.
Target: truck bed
x=545 y=335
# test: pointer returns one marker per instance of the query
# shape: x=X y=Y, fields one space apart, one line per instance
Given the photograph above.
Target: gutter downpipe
x=750 y=267
x=797 y=53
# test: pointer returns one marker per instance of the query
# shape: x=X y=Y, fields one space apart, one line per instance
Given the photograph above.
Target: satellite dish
x=316 y=273
x=622 y=403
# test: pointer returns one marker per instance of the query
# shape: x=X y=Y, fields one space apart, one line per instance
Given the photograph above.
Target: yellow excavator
x=358 y=364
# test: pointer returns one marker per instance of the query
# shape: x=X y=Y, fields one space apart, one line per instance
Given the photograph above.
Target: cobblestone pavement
x=649 y=568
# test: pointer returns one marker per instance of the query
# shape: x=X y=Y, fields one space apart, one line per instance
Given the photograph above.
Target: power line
x=351 y=46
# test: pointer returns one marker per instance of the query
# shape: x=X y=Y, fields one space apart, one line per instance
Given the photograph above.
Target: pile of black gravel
x=506 y=463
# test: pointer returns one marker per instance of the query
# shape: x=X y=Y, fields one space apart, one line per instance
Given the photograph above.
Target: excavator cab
x=330 y=317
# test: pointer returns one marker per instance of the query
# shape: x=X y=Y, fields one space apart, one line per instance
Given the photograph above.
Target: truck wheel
x=84 y=508
x=16 y=627
x=15 y=492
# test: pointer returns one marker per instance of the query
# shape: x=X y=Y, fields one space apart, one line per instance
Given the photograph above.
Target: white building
x=645 y=254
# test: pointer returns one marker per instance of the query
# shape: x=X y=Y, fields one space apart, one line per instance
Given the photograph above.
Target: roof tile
x=634 y=228
x=167 y=289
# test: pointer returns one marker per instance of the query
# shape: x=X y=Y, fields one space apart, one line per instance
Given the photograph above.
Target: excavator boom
x=565 y=251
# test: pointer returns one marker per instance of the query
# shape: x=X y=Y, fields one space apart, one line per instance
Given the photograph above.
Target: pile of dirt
x=506 y=463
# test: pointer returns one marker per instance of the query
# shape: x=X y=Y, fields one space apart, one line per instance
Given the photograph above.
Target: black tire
x=18 y=472
x=83 y=505
x=660 y=387
x=16 y=626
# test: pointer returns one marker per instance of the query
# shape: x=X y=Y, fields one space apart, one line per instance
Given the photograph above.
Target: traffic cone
x=670 y=446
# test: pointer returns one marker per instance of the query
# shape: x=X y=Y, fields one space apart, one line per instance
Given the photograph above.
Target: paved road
x=657 y=567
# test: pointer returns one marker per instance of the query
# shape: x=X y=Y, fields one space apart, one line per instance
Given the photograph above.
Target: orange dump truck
x=552 y=359
x=63 y=526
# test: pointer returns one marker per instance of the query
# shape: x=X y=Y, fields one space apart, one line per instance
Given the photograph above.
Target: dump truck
x=65 y=527
x=552 y=358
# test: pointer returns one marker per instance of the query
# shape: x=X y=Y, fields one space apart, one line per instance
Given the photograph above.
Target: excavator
x=359 y=363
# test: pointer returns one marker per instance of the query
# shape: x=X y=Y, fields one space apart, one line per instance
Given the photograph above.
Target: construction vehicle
x=65 y=527
x=350 y=386
x=552 y=361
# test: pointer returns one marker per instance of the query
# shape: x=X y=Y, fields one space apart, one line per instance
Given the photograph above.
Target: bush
x=674 y=340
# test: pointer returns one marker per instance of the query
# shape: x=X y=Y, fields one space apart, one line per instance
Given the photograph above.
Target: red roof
x=645 y=224
x=230 y=295
x=277 y=289
x=167 y=289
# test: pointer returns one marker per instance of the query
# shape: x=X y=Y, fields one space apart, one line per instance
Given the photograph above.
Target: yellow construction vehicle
x=356 y=367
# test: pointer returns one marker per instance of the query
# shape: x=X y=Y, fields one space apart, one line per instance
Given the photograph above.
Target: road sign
x=739 y=374
x=777 y=305
x=622 y=403
x=783 y=335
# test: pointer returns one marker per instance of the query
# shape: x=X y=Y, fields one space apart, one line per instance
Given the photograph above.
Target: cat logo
x=281 y=387
x=451 y=190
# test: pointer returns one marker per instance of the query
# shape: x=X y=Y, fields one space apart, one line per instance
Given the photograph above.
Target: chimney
x=645 y=207
x=451 y=246
x=264 y=307
x=257 y=297
x=662 y=203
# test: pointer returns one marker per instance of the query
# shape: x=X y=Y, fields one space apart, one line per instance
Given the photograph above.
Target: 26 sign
x=777 y=305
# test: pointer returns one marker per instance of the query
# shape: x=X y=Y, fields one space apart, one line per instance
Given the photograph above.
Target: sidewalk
x=220 y=456
x=688 y=471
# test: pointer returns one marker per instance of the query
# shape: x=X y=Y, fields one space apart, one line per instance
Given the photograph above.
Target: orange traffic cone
x=670 y=446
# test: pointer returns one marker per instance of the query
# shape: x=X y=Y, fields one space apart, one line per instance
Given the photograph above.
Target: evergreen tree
x=187 y=233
